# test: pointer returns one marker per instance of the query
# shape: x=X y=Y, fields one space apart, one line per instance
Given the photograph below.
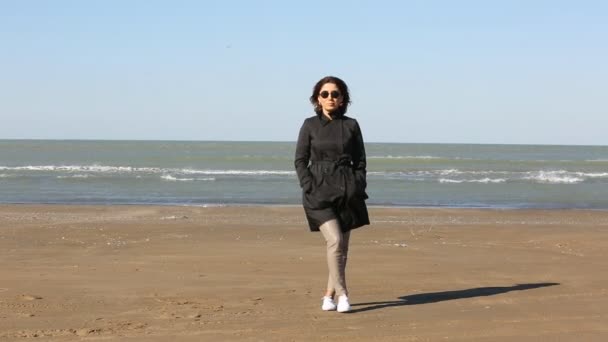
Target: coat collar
x=337 y=115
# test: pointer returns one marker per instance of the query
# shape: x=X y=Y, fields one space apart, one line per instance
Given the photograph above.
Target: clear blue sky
x=515 y=72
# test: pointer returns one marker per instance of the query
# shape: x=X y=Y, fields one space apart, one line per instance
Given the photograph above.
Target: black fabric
x=331 y=167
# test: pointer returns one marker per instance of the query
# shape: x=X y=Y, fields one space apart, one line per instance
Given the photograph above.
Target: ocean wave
x=484 y=180
x=447 y=175
x=592 y=175
x=553 y=177
x=468 y=172
x=449 y=172
x=435 y=173
x=175 y=179
x=145 y=170
x=513 y=174
x=482 y=159
x=542 y=177
x=238 y=172
x=82 y=168
x=491 y=176
x=75 y=176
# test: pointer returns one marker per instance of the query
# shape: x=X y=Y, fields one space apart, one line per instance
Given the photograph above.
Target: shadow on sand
x=433 y=297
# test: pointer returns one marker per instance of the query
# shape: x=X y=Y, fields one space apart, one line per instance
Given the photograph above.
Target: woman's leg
x=337 y=252
x=344 y=248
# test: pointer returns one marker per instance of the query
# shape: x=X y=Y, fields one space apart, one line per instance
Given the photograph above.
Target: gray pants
x=337 y=253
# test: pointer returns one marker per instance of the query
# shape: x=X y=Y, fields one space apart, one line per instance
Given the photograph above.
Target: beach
x=255 y=273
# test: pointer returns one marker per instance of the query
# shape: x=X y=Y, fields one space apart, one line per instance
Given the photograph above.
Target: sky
x=482 y=72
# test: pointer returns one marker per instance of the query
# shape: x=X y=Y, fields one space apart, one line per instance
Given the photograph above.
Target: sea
x=214 y=173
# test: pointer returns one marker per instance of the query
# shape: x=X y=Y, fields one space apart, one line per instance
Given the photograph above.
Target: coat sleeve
x=303 y=157
x=359 y=159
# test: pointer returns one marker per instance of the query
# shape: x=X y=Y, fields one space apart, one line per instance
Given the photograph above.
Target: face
x=330 y=97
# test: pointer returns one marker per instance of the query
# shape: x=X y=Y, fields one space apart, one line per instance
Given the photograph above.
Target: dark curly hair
x=314 y=98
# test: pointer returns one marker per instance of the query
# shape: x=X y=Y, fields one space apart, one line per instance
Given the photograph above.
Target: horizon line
x=293 y=141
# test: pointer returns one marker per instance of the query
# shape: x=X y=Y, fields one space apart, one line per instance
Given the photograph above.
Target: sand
x=154 y=273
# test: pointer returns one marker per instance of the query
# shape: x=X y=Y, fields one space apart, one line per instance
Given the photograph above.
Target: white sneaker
x=328 y=304
x=343 y=304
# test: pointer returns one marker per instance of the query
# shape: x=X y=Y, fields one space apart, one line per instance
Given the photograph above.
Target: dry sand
x=149 y=273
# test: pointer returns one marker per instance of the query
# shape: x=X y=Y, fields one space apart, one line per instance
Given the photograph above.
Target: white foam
x=459 y=172
x=484 y=180
x=175 y=179
x=208 y=205
x=75 y=176
x=238 y=172
x=130 y=169
x=445 y=180
x=449 y=172
x=489 y=180
x=379 y=173
x=553 y=177
x=592 y=175
x=82 y=168
x=433 y=173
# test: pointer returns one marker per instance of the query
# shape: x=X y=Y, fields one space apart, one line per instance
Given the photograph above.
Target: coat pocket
x=323 y=195
x=360 y=184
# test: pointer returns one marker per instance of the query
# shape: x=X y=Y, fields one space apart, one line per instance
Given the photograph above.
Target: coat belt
x=344 y=160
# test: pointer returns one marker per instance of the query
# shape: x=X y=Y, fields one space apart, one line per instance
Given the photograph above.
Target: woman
x=330 y=163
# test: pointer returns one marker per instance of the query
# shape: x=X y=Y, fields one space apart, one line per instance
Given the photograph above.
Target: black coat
x=330 y=164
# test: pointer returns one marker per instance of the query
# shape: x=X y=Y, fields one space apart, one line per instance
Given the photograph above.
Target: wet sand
x=153 y=273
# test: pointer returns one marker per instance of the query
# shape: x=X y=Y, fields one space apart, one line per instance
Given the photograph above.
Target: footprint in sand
x=25 y=314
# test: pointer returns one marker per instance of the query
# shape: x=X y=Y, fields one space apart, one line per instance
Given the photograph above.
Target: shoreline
x=154 y=273
x=262 y=205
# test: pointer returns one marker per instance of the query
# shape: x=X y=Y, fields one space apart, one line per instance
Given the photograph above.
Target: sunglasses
x=334 y=94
